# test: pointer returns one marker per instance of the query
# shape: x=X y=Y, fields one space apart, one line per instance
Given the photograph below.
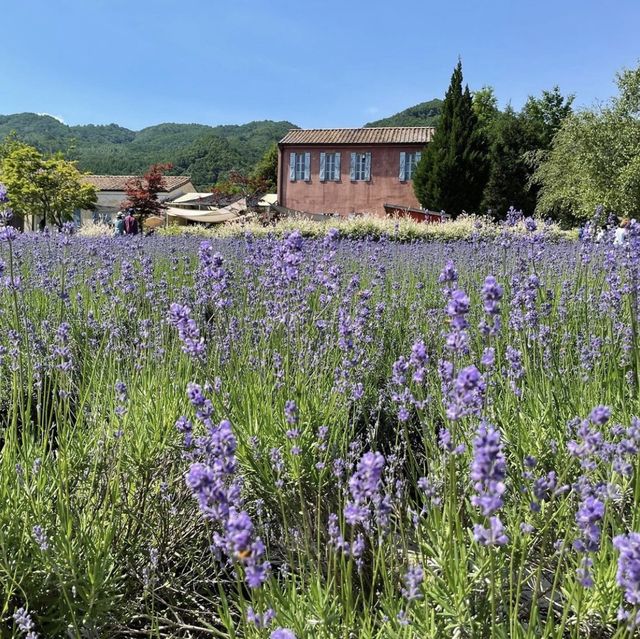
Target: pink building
x=349 y=171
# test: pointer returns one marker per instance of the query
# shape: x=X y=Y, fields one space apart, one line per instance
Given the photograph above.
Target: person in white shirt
x=620 y=236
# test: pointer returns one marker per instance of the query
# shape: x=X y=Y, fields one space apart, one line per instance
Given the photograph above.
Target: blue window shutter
x=307 y=166
x=292 y=167
x=367 y=166
x=322 y=163
x=403 y=160
x=337 y=171
x=353 y=166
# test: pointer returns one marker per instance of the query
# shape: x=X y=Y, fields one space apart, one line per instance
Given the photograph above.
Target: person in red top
x=130 y=224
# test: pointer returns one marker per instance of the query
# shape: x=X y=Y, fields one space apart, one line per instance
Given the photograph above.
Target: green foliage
x=546 y=114
x=51 y=187
x=593 y=159
x=509 y=173
x=423 y=114
x=207 y=160
x=485 y=106
x=206 y=153
x=452 y=172
x=514 y=138
x=267 y=169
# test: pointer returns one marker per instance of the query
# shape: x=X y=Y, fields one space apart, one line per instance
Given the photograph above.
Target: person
x=119 y=224
x=130 y=224
x=620 y=236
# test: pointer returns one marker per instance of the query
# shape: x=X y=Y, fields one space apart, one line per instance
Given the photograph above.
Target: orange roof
x=368 y=135
x=117 y=182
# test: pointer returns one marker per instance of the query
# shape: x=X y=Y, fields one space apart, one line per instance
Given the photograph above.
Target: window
x=408 y=164
x=329 y=167
x=360 y=166
x=299 y=166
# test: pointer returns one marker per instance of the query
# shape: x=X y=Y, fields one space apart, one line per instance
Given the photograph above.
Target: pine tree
x=453 y=170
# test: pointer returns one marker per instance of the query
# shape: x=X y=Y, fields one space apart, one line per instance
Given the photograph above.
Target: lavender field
x=318 y=438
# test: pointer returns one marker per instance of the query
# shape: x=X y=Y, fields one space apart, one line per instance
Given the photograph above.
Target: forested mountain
x=423 y=114
x=207 y=153
x=204 y=152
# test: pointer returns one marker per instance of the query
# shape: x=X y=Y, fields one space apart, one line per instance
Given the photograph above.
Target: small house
x=350 y=171
x=112 y=191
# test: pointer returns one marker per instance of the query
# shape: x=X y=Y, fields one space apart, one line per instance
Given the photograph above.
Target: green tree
x=595 y=158
x=50 y=187
x=509 y=172
x=545 y=115
x=485 y=106
x=266 y=170
x=453 y=170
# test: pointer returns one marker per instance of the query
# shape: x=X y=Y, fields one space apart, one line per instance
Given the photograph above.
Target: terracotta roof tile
x=369 y=135
x=117 y=182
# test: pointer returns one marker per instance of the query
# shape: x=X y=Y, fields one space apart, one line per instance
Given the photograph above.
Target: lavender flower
x=25 y=624
x=449 y=276
x=216 y=487
x=588 y=516
x=412 y=582
x=628 y=575
x=260 y=620
x=457 y=308
x=365 y=490
x=41 y=538
x=488 y=470
x=282 y=633
x=188 y=331
x=494 y=535
x=491 y=296
x=467 y=395
x=291 y=412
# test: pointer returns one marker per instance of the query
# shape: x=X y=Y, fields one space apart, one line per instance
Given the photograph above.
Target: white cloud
x=55 y=117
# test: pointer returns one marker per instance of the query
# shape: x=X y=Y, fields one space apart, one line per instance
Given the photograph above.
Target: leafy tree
x=509 y=172
x=485 y=106
x=142 y=193
x=453 y=170
x=595 y=158
x=514 y=139
x=267 y=169
x=51 y=187
x=251 y=187
x=546 y=114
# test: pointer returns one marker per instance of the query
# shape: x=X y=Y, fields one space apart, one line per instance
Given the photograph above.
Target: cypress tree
x=453 y=170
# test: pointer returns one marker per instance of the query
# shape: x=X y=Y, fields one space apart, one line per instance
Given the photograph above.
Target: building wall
x=109 y=202
x=107 y=206
x=346 y=197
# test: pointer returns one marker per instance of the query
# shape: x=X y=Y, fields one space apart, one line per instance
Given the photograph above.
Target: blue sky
x=316 y=64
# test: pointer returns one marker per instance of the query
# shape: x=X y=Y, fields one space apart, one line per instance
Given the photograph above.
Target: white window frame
x=300 y=167
x=330 y=167
x=360 y=168
x=412 y=160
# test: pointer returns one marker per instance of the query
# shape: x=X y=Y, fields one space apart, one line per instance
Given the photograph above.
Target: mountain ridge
x=205 y=152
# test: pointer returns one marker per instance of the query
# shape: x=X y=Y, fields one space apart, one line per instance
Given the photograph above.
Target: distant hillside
x=423 y=114
x=207 y=153
x=204 y=152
